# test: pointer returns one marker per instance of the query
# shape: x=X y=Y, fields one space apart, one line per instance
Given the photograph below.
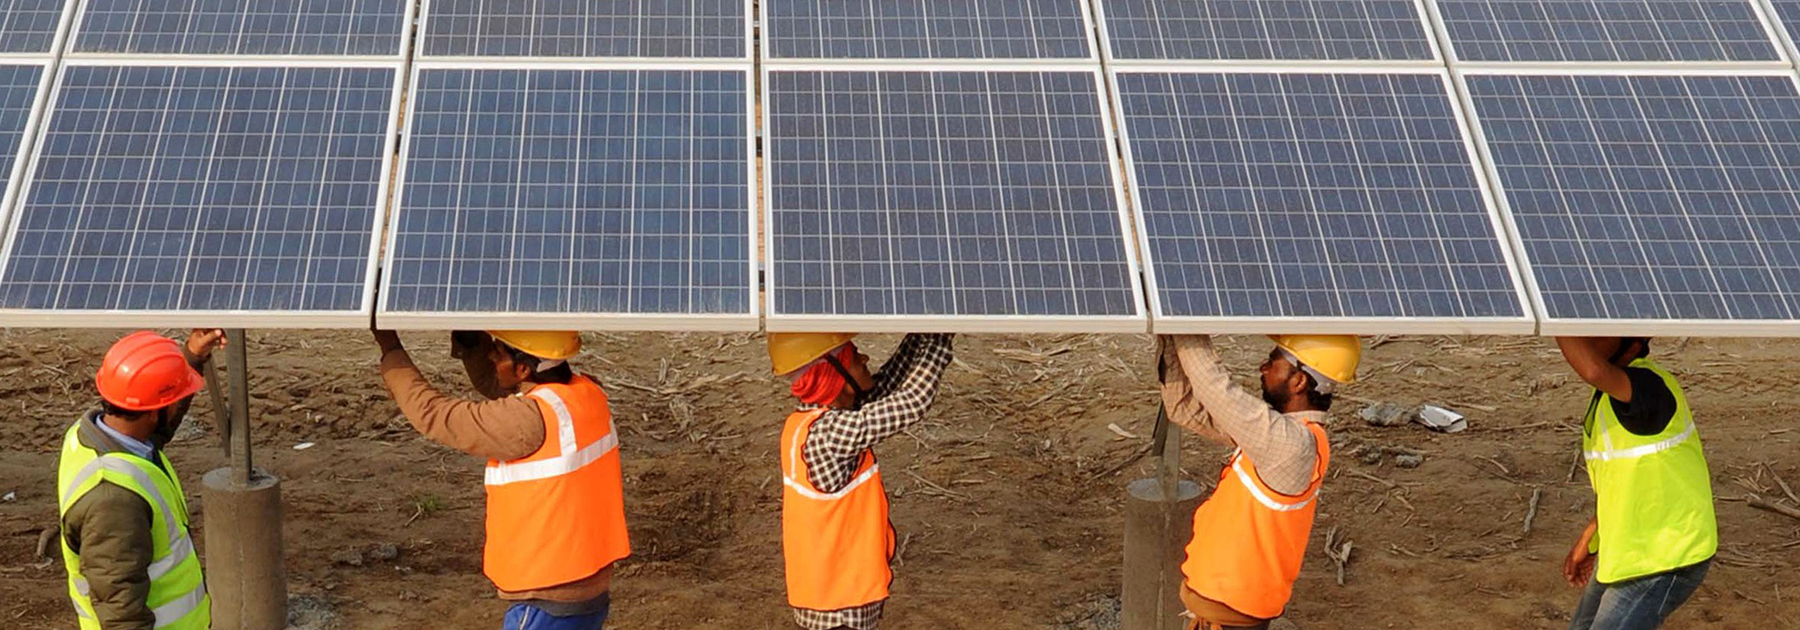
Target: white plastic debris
x=303 y=446
x=10 y=497
x=1440 y=419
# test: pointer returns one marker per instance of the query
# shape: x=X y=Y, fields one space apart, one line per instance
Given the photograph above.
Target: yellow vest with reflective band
x=177 y=591
x=1653 y=492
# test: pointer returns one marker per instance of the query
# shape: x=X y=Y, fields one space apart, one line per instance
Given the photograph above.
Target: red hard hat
x=146 y=371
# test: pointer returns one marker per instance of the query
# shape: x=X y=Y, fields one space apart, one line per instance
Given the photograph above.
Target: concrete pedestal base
x=1157 y=530
x=244 y=570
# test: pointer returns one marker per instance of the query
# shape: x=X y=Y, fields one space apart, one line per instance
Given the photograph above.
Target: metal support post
x=1158 y=516
x=242 y=509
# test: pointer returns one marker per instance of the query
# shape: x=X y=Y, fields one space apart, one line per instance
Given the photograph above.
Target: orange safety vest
x=838 y=545
x=558 y=515
x=1249 y=539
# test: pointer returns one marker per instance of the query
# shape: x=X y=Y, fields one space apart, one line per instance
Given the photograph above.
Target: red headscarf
x=820 y=383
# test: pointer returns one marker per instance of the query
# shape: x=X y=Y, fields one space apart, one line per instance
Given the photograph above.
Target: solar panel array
x=582 y=162
x=236 y=176
x=1645 y=197
x=262 y=27
x=954 y=195
x=203 y=189
x=20 y=87
x=29 y=26
x=1311 y=30
x=931 y=29
x=1606 y=30
x=1349 y=195
x=907 y=196
x=1590 y=167
x=565 y=191
x=586 y=29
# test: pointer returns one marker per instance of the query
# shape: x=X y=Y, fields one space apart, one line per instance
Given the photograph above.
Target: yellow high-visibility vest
x=1653 y=492
x=177 y=590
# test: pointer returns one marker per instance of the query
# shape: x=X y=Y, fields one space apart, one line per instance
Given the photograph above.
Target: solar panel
x=1787 y=16
x=29 y=26
x=19 y=86
x=236 y=27
x=929 y=29
x=1266 y=30
x=586 y=28
x=957 y=199
x=203 y=190
x=1651 y=197
x=1606 y=30
x=1312 y=196
x=575 y=192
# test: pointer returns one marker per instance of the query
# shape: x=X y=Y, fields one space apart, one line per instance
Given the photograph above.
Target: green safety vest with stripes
x=177 y=590
x=1653 y=492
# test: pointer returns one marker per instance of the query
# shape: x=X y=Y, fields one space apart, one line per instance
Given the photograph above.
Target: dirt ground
x=1008 y=499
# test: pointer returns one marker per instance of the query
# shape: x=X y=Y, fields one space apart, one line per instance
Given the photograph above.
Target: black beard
x=164 y=432
x=1277 y=400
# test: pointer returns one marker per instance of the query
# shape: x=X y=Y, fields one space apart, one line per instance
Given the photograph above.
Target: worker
x=1250 y=535
x=1653 y=535
x=124 y=516
x=555 y=492
x=835 y=534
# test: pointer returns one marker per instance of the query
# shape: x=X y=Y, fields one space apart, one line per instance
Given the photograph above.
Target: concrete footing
x=1157 y=529
x=244 y=571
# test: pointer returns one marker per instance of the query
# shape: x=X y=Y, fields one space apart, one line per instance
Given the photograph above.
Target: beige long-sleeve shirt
x=1198 y=395
x=504 y=429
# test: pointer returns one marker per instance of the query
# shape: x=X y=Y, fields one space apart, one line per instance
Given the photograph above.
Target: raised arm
x=1281 y=446
x=838 y=439
x=504 y=429
x=1591 y=364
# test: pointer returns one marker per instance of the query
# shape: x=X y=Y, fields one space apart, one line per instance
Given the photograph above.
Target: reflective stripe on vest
x=570 y=460
x=790 y=478
x=1257 y=493
x=1635 y=452
x=177 y=605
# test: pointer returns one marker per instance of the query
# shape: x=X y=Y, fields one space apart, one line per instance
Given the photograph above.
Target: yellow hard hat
x=554 y=345
x=792 y=351
x=1334 y=356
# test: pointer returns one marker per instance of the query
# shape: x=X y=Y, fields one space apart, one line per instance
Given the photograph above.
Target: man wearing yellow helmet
x=555 y=500
x=836 y=538
x=1250 y=535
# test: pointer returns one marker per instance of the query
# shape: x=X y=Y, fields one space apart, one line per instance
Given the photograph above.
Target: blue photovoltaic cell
x=203 y=189
x=18 y=92
x=241 y=27
x=1652 y=197
x=928 y=29
x=1312 y=196
x=575 y=191
x=1266 y=29
x=943 y=194
x=586 y=28
x=29 y=26
x=1787 y=14
x=1606 y=30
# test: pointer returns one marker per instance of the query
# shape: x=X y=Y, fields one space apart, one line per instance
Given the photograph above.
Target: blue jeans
x=1639 y=604
x=528 y=617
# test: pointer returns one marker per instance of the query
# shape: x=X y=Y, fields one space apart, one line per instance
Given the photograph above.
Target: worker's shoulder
x=105 y=498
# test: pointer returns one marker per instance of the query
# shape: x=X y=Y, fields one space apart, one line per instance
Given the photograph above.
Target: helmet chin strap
x=848 y=379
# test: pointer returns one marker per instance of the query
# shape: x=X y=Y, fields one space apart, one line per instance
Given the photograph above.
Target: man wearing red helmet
x=124 y=517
